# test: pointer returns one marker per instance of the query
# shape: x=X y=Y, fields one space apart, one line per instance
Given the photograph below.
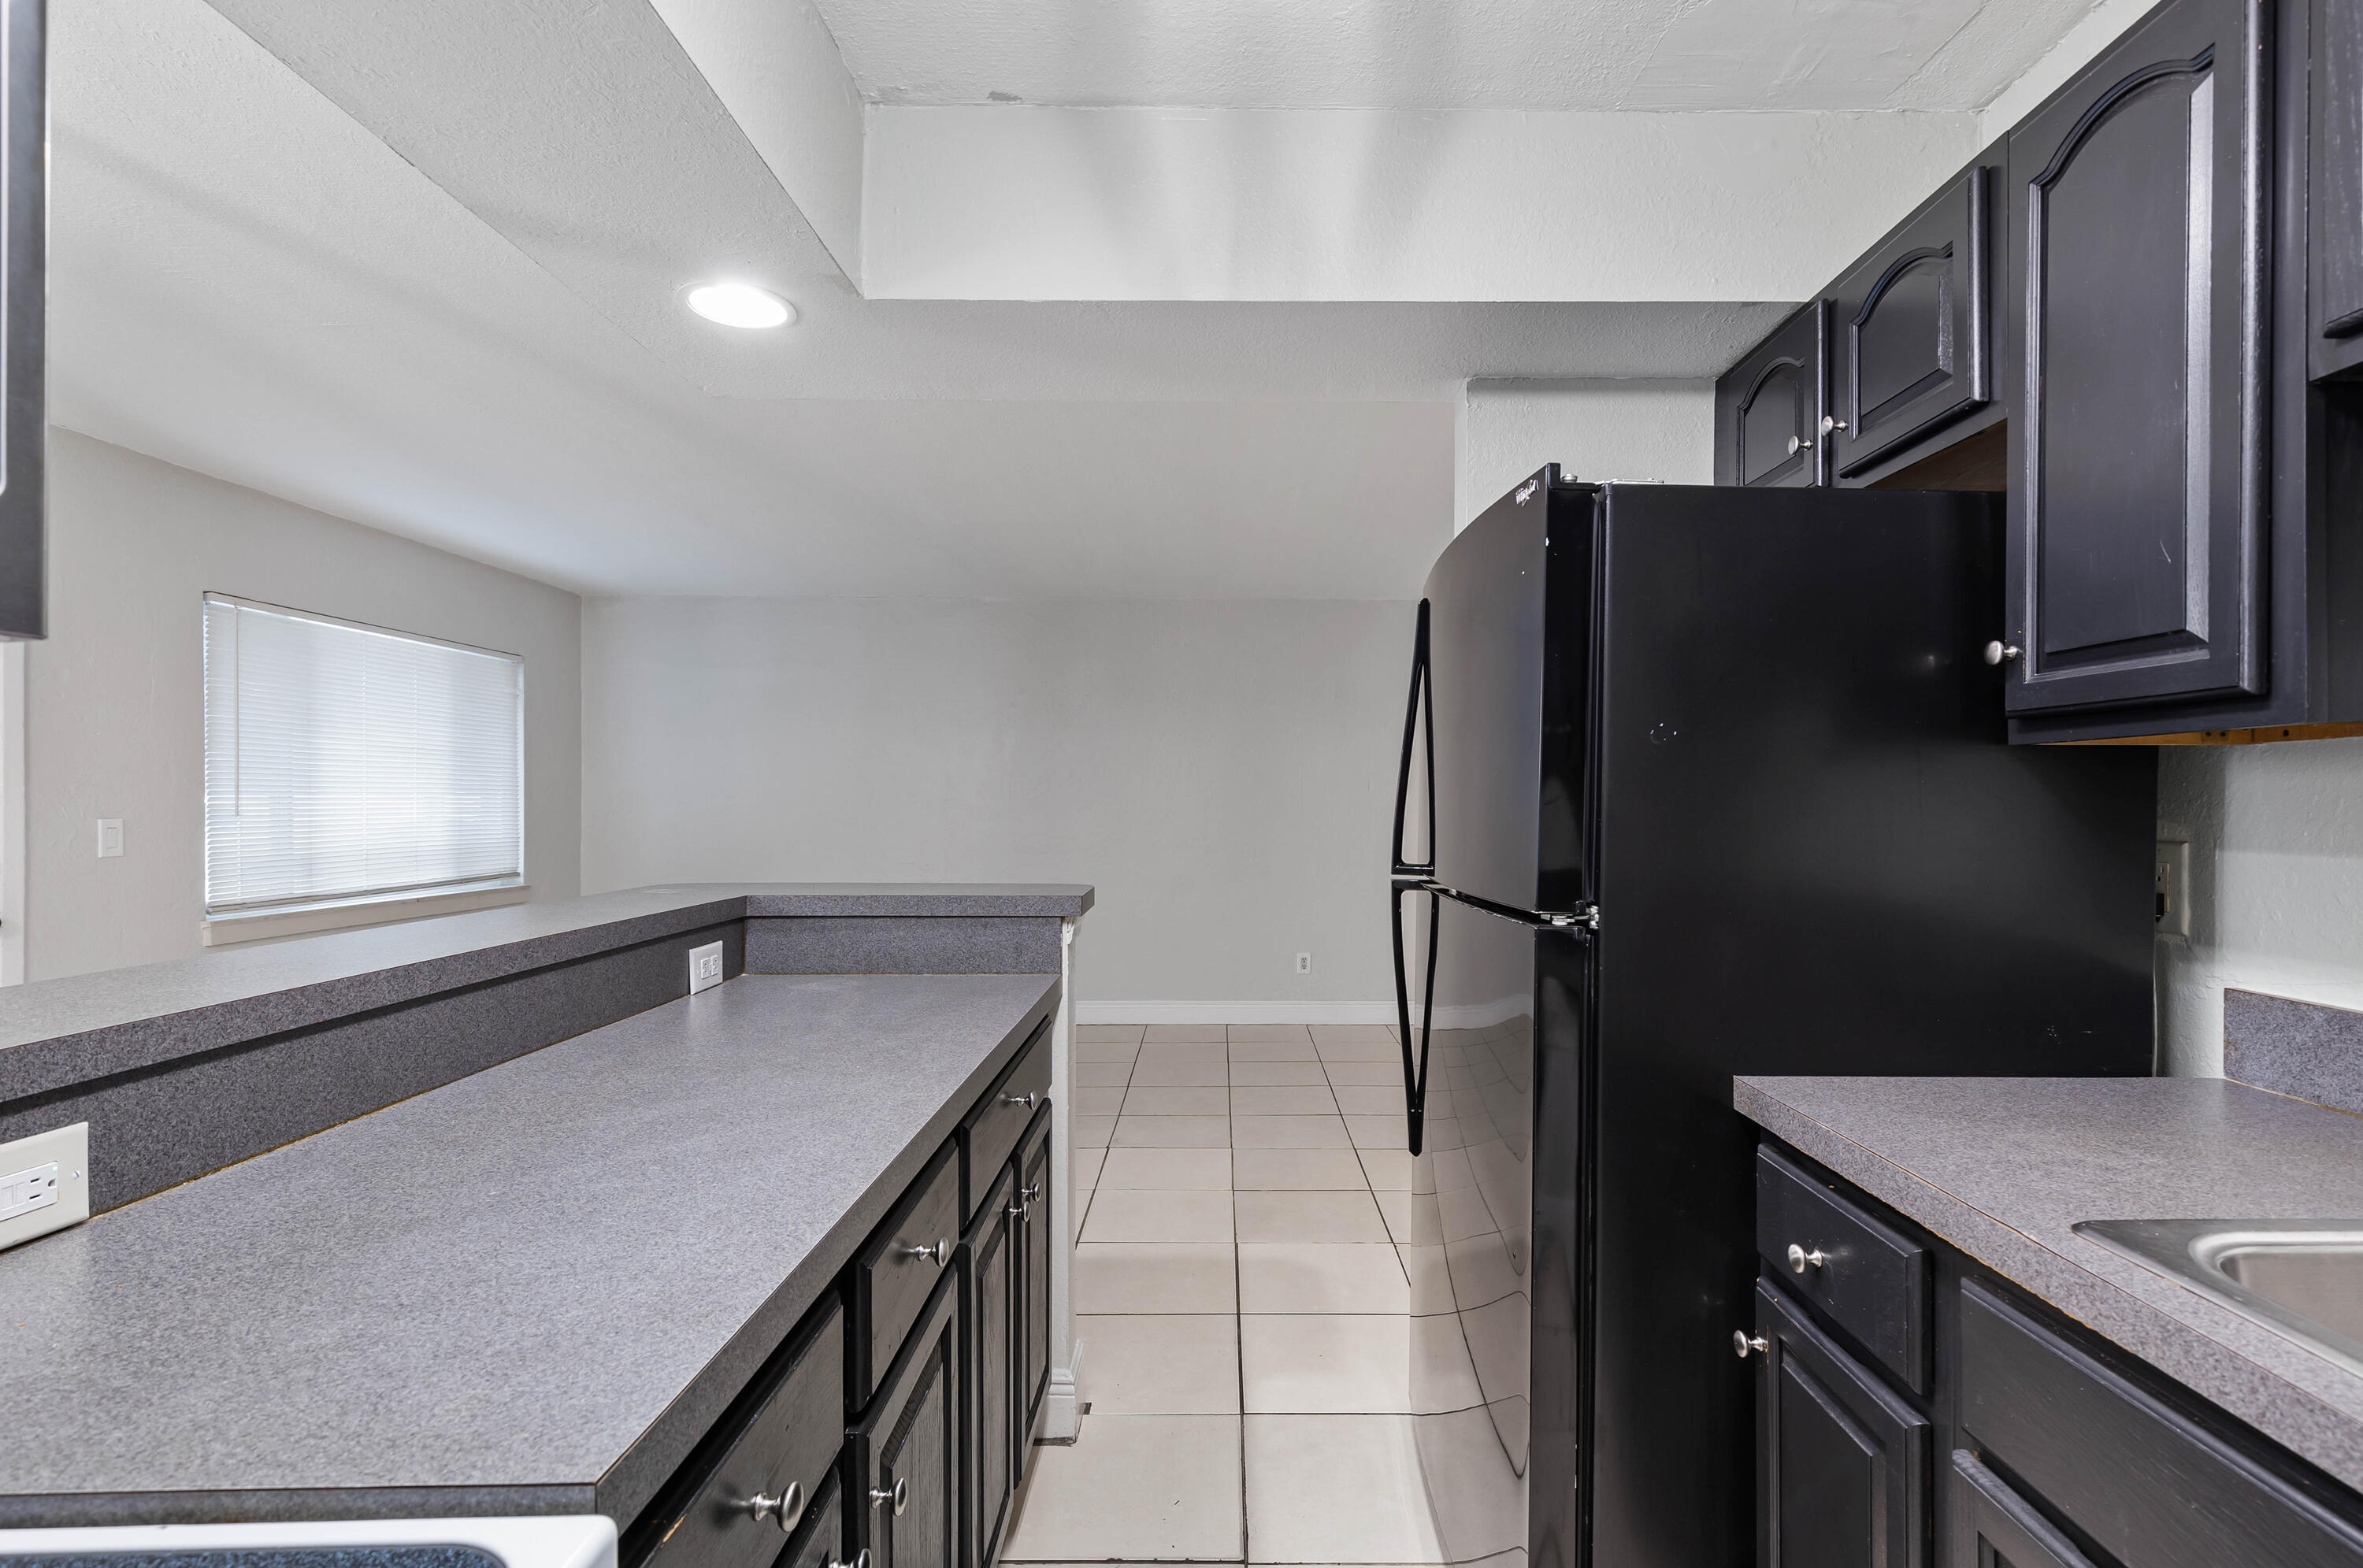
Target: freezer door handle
x=1421 y=703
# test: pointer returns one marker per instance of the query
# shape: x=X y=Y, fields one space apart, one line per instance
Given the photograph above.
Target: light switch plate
x=110 y=837
x=44 y=1183
x=704 y=967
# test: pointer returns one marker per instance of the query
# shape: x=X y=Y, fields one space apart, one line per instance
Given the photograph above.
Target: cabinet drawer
x=766 y=1462
x=1872 y=1280
x=2141 y=1480
x=820 y=1540
x=896 y=1273
x=990 y=1132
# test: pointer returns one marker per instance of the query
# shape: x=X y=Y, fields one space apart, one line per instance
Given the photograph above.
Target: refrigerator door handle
x=1414 y=1062
x=1581 y=920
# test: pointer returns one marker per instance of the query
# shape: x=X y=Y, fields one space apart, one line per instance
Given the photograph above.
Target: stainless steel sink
x=2302 y=1278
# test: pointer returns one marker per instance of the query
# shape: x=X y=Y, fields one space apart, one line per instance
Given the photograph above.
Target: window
x=348 y=763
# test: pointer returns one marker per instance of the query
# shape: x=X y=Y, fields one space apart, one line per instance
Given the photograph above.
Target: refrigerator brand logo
x=1526 y=490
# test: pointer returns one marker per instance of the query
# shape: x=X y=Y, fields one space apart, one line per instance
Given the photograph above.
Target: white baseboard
x=1234 y=1011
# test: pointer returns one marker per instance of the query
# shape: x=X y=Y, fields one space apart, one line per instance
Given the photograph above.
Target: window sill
x=228 y=930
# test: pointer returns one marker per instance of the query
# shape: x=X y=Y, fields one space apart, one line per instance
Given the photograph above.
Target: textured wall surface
x=115 y=697
x=1601 y=430
x=2275 y=838
x=1223 y=773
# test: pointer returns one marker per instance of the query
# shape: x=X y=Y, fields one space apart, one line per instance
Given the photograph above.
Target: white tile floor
x=1244 y=1277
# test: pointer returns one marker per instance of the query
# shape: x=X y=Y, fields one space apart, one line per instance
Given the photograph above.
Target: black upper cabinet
x=2335 y=188
x=1913 y=329
x=1768 y=408
x=2137 y=436
x=24 y=248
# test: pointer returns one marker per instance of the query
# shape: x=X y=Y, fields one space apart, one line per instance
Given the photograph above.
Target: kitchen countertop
x=2003 y=1167
x=527 y=1291
x=55 y=1034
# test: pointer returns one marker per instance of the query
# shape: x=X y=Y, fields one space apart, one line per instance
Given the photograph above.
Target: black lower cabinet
x=2144 y=1481
x=904 y=1457
x=1993 y=1527
x=989 y=1315
x=2038 y=1445
x=1035 y=1220
x=1842 y=1462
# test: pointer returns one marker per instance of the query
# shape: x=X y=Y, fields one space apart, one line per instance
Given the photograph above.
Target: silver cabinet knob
x=900 y=1497
x=784 y=1509
x=938 y=1254
x=1743 y=1341
x=1998 y=650
x=1800 y=1260
x=860 y=1559
x=1025 y=1196
x=1028 y=1100
x=1798 y=444
x=1829 y=424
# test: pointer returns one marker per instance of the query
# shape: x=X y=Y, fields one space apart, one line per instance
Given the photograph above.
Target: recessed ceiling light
x=740 y=304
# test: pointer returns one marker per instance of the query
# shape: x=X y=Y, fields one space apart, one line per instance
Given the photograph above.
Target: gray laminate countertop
x=62 y=1031
x=527 y=1291
x=2003 y=1167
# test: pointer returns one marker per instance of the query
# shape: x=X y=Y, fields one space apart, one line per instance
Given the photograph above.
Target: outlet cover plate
x=44 y=1183
x=704 y=967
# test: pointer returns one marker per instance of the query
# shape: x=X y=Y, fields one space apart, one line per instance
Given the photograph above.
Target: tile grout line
x=1238 y=1318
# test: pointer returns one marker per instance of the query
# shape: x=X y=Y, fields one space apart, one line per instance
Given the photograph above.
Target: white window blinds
x=347 y=762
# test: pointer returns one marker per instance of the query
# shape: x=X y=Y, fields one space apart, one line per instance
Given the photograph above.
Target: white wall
x=2275 y=838
x=1222 y=771
x=115 y=695
x=1601 y=430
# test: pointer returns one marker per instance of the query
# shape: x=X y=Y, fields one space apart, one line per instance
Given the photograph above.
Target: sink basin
x=2302 y=1278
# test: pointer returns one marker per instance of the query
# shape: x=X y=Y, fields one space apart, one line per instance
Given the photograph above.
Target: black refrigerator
x=1698 y=782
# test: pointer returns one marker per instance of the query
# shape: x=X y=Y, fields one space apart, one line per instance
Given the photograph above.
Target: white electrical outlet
x=704 y=967
x=110 y=837
x=2171 y=891
x=1304 y=963
x=44 y=1183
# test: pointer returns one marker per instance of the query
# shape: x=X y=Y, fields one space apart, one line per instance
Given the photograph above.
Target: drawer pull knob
x=1743 y=1341
x=1028 y=1100
x=1997 y=651
x=938 y=1254
x=1799 y=443
x=900 y=1497
x=785 y=1509
x=860 y=1559
x=1800 y=1260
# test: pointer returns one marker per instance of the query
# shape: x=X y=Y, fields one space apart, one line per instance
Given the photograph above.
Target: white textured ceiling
x=418 y=263
x=1448 y=54
x=248 y=282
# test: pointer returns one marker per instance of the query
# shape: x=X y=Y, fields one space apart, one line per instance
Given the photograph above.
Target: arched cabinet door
x=2335 y=190
x=1912 y=334
x=2138 y=451
x=1768 y=408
